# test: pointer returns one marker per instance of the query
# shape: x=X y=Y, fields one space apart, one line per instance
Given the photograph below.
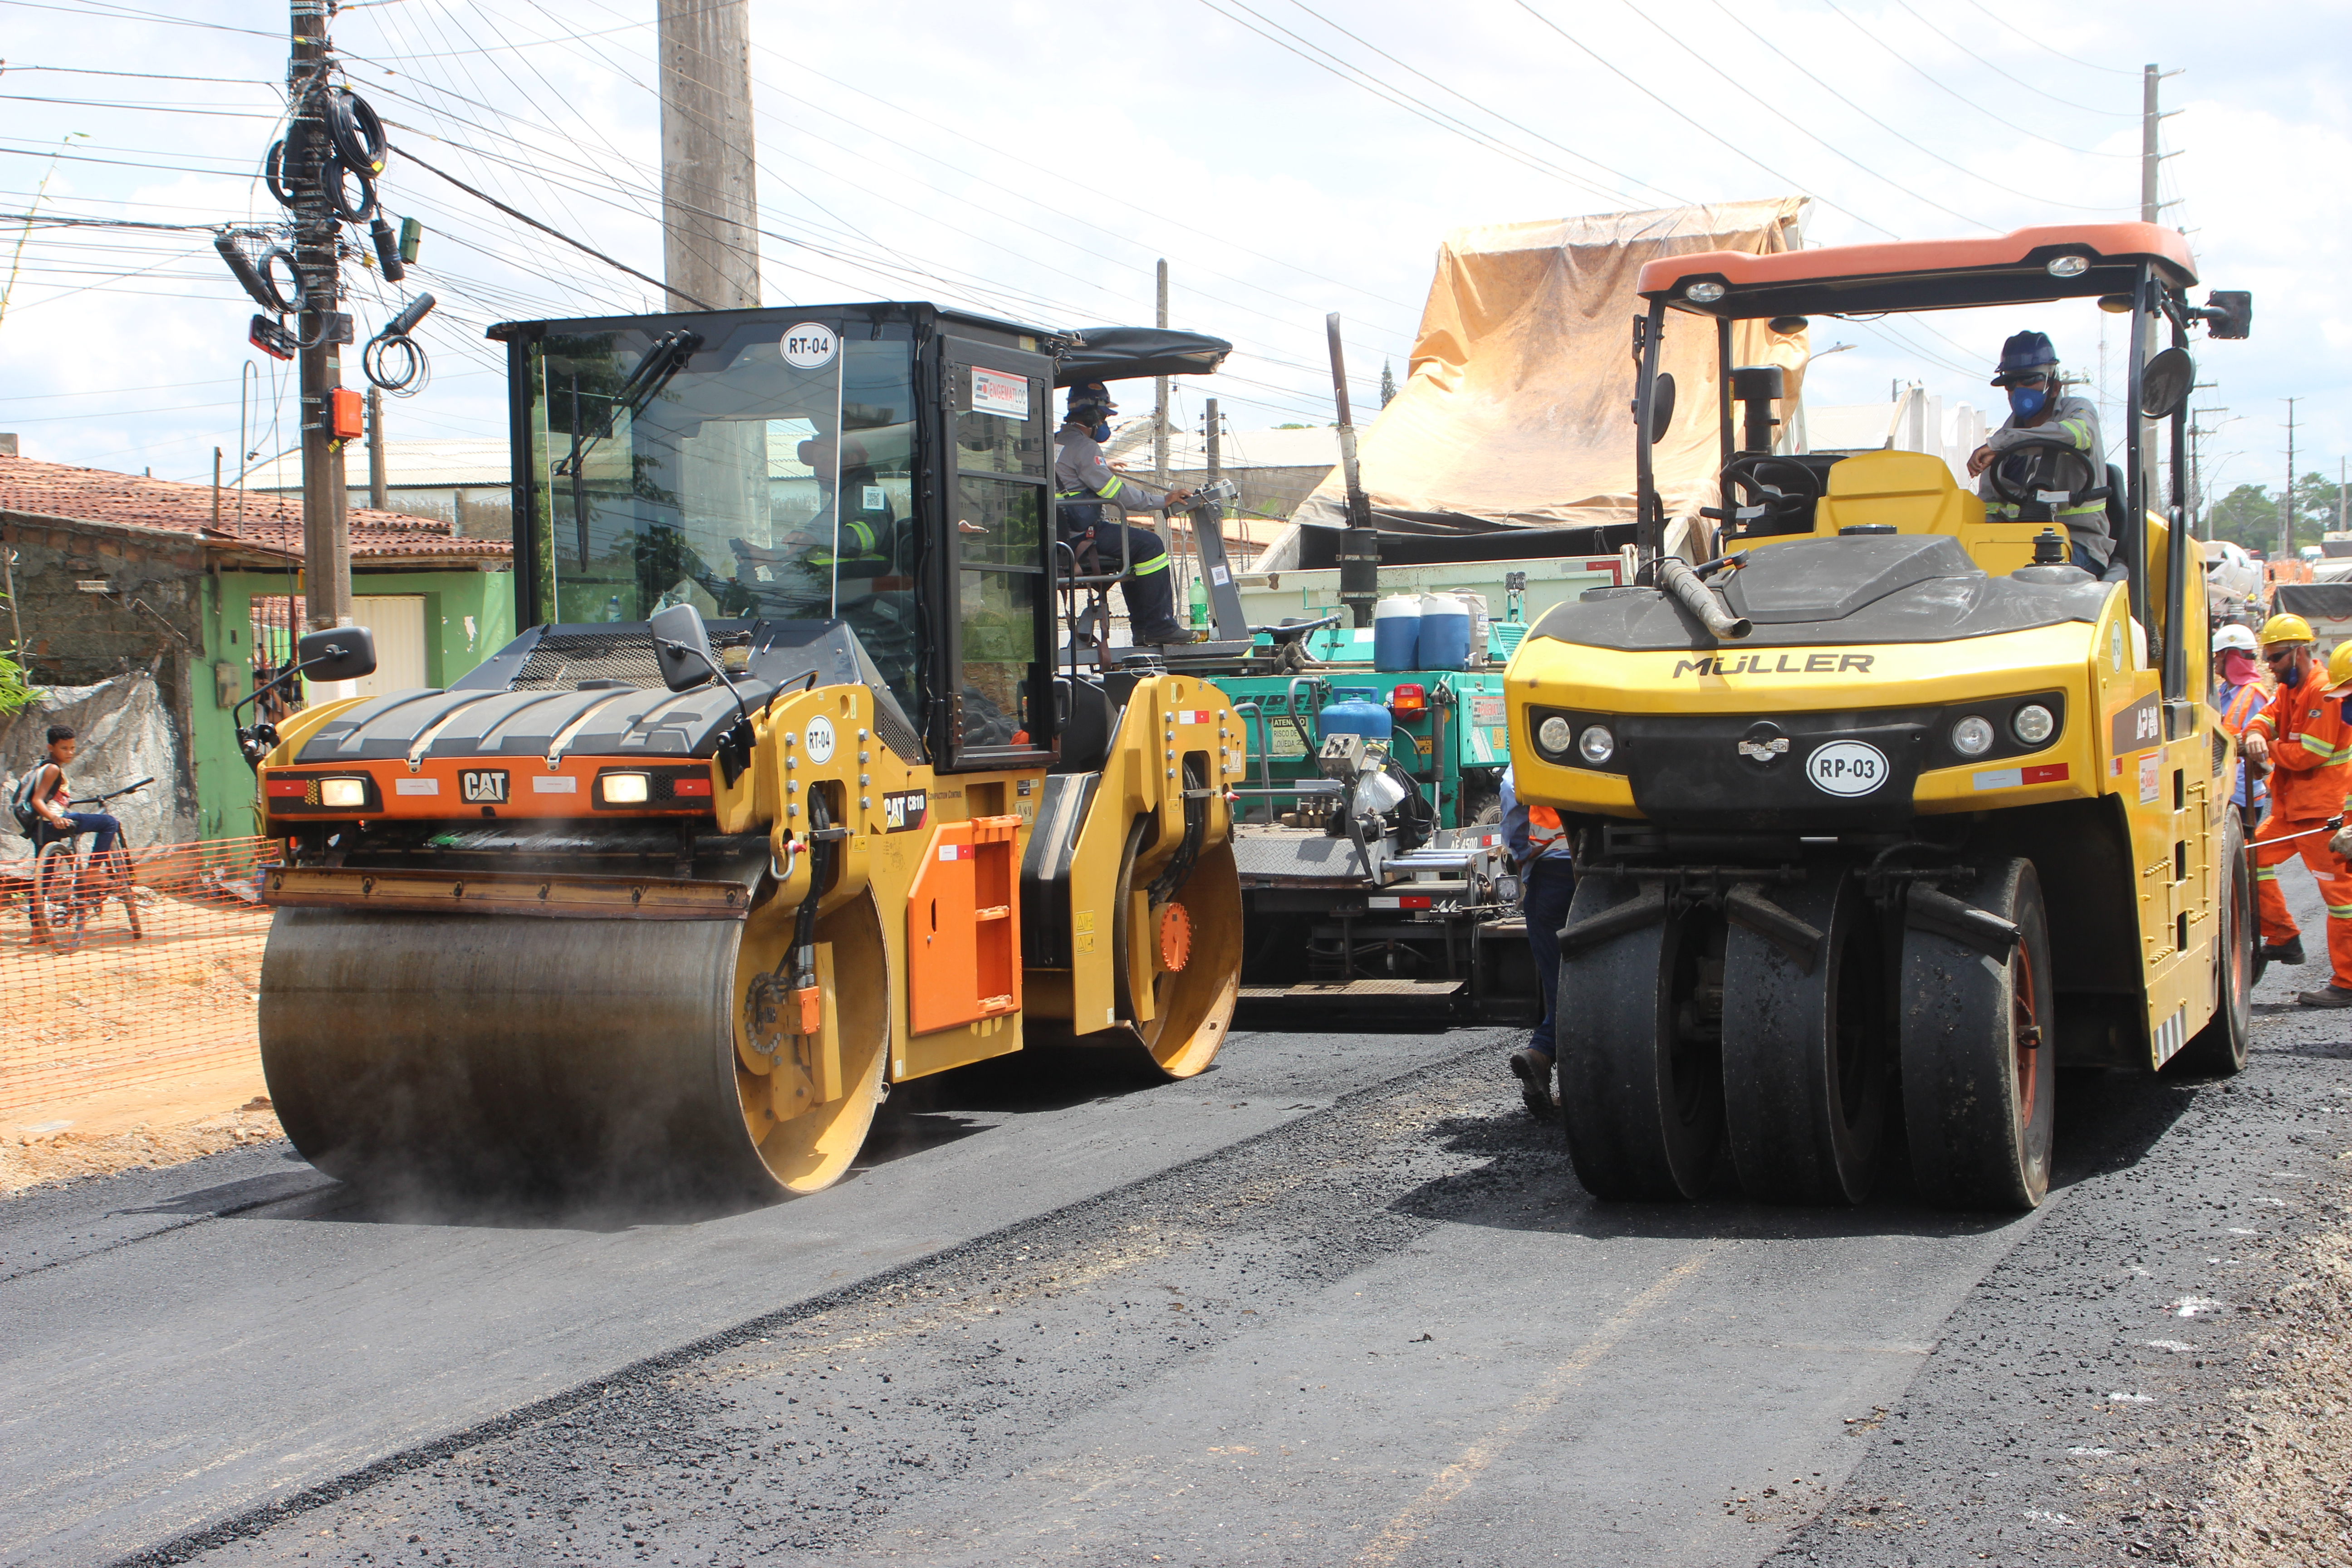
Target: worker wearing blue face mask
x=2037 y=402
x=1091 y=501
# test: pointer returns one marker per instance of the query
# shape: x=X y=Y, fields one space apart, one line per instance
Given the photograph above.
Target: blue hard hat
x=1091 y=394
x=2026 y=353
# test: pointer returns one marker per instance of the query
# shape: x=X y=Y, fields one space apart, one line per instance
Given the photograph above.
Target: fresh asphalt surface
x=1338 y=1300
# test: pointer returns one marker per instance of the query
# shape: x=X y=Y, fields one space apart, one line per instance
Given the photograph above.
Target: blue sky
x=1289 y=158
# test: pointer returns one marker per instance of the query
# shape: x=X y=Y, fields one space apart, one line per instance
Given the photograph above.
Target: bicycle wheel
x=58 y=913
x=117 y=879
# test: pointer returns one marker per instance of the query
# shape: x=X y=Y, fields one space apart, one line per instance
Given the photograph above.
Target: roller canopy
x=1124 y=353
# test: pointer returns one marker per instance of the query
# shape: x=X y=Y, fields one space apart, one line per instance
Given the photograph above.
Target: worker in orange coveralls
x=2302 y=734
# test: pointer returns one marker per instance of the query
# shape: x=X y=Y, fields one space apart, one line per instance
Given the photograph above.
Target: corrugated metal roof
x=268 y=522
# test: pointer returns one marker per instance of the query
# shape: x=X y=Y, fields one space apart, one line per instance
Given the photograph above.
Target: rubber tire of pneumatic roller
x=1642 y=1107
x=1805 y=1090
x=482 y=1053
x=2219 y=1049
x=1978 y=1110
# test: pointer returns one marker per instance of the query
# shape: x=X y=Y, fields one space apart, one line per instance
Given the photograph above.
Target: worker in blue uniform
x=1539 y=847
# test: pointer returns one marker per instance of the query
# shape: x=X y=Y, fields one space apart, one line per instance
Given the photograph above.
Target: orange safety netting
x=94 y=1007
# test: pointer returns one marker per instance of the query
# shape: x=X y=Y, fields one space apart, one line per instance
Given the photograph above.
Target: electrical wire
x=2002 y=70
x=2039 y=44
x=1798 y=66
x=1723 y=141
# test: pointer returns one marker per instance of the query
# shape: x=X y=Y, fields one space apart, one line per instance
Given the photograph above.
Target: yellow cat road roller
x=781 y=799
x=1888 y=809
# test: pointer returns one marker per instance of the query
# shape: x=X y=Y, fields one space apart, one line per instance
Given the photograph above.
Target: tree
x=1387 y=385
x=2248 y=515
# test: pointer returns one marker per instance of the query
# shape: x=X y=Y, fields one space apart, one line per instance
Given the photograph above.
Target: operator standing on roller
x=2029 y=370
x=1539 y=846
x=1091 y=502
x=2303 y=735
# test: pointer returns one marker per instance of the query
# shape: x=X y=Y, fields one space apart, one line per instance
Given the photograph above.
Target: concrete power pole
x=1159 y=416
x=326 y=521
x=2151 y=208
x=376 y=481
x=2287 y=501
x=710 y=201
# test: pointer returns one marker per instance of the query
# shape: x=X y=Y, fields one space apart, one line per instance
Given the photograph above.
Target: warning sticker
x=1486 y=710
x=994 y=392
x=2147 y=777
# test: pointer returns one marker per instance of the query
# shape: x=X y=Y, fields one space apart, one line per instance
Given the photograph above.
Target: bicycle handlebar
x=111 y=795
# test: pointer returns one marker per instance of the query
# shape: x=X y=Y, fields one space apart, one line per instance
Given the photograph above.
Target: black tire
x=56 y=906
x=1641 y=1085
x=1805 y=1087
x=2219 y=1049
x=1980 y=1053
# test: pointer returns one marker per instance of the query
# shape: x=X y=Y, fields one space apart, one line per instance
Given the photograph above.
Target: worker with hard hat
x=2238 y=696
x=2303 y=735
x=1091 y=501
x=2038 y=405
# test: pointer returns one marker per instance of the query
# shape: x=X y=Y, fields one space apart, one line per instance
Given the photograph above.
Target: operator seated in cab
x=2029 y=371
x=1090 y=506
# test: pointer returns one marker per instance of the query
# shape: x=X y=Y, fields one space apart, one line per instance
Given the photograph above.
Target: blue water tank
x=1444 y=632
x=1396 y=633
x=1358 y=711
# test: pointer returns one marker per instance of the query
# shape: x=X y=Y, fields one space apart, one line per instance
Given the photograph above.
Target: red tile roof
x=272 y=524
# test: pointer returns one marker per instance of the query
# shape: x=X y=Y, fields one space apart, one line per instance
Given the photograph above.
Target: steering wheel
x=1755 y=473
x=2029 y=473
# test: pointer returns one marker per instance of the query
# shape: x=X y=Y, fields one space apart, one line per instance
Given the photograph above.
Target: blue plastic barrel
x=1444 y=632
x=1396 y=633
x=1358 y=711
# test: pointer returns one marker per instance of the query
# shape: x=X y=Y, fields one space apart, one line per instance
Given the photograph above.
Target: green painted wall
x=468 y=616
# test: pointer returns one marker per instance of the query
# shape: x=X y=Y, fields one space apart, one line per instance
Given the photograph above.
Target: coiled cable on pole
x=393 y=360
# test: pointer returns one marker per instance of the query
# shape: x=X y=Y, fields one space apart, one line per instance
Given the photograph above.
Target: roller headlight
x=1706 y=291
x=2067 y=266
x=623 y=789
x=1596 y=745
x=1555 y=735
x=1972 y=736
x=342 y=792
x=2033 y=724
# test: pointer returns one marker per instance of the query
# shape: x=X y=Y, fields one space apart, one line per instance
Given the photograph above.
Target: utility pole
x=710 y=203
x=2151 y=208
x=1160 y=416
x=2340 y=525
x=375 y=447
x=326 y=521
x=2287 y=501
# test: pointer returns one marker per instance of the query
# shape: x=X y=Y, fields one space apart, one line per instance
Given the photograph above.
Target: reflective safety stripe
x=2265 y=873
x=1544 y=828
x=1157 y=564
x=1116 y=485
x=2339 y=911
x=865 y=535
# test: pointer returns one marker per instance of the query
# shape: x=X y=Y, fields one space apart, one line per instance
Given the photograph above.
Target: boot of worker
x=2337 y=991
x=1151 y=597
x=2282 y=941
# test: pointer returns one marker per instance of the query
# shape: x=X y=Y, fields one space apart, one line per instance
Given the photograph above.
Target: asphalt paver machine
x=779 y=801
x=1885 y=813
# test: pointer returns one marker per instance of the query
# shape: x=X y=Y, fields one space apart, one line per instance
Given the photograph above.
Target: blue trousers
x=106 y=826
x=1551 y=883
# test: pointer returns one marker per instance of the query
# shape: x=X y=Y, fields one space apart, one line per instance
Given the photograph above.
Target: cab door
x=999 y=710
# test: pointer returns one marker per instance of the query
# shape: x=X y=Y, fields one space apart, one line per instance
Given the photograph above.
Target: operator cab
x=887 y=467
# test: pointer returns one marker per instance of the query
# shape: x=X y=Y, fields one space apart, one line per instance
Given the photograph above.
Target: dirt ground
x=129 y=1052
x=2283 y=1486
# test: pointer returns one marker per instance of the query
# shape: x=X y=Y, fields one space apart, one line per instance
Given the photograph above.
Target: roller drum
x=509 y=1054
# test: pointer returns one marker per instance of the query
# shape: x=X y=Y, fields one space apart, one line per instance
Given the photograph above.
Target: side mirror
x=1662 y=406
x=337 y=653
x=2230 y=313
x=680 y=648
x=2165 y=382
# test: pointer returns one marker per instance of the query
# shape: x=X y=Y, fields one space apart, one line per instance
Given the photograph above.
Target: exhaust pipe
x=1702 y=601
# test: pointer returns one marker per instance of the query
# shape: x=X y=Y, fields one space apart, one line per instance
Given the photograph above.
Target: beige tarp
x=1518 y=405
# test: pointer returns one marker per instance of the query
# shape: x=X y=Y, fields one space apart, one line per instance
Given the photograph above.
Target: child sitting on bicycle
x=49 y=797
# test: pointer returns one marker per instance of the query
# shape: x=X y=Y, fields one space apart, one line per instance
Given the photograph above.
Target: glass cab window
x=765 y=471
x=998 y=402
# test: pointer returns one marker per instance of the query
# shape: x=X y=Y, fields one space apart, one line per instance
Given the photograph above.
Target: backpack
x=20 y=799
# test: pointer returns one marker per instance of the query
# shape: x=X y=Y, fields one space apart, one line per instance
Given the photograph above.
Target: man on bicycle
x=49 y=797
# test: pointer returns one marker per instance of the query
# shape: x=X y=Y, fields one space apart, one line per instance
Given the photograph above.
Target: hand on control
x=2341 y=845
x=1980 y=460
x=2257 y=748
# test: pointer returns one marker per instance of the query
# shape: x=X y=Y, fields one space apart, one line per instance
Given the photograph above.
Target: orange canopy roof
x=1923 y=274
